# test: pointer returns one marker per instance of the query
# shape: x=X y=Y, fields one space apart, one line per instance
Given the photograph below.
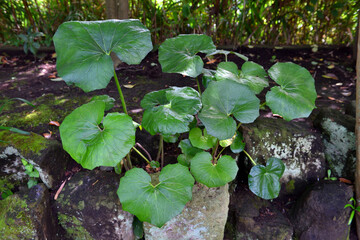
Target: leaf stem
x=214 y=150
x=252 y=160
x=238 y=126
x=141 y=155
x=142 y=148
x=161 y=151
x=198 y=85
x=120 y=93
x=262 y=105
x=218 y=156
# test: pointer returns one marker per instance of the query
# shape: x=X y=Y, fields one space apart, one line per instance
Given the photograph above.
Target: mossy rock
x=48 y=107
x=28 y=215
x=89 y=208
x=251 y=217
x=46 y=155
x=295 y=143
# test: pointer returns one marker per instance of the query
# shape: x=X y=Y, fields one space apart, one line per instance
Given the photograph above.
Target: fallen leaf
x=212 y=61
x=60 y=188
x=129 y=85
x=330 y=76
x=331 y=98
x=47 y=135
x=346 y=94
x=55 y=123
x=344 y=180
x=331 y=66
x=52 y=75
x=53 y=55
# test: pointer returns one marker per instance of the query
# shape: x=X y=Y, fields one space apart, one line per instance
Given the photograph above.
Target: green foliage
x=264 y=180
x=94 y=140
x=221 y=101
x=178 y=55
x=329 y=177
x=170 y=111
x=296 y=95
x=213 y=174
x=354 y=209
x=156 y=201
x=229 y=100
x=79 y=61
x=32 y=172
x=31 y=41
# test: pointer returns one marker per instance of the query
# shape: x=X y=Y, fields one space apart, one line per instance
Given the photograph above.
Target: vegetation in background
x=272 y=22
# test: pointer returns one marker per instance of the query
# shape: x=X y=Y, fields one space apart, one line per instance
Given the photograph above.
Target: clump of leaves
x=32 y=172
x=212 y=119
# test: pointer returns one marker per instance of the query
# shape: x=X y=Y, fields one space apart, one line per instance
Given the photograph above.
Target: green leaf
x=200 y=139
x=264 y=181
x=6 y=193
x=24 y=162
x=83 y=50
x=178 y=55
x=15 y=130
x=34 y=174
x=154 y=164
x=32 y=182
x=92 y=145
x=252 y=75
x=188 y=150
x=170 y=111
x=171 y=138
x=109 y=101
x=29 y=168
x=208 y=76
x=296 y=95
x=224 y=99
x=158 y=201
x=238 y=145
x=212 y=175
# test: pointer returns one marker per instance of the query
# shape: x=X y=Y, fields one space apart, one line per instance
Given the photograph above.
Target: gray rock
x=338 y=132
x=320 y=213
x=299 y=147
x=47 y=156
x=204 y=217
x=89 y=208
x=28 y=215
x=251 y=217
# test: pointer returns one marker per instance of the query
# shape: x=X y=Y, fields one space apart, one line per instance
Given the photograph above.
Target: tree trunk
x=357 y=131
x=117 y=9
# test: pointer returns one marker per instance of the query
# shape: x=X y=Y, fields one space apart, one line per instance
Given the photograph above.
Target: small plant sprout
x=329 y=177
x=353 y=208
x=212 y=119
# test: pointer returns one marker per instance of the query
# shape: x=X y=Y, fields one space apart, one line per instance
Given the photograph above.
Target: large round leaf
x=296 y=95
x=188 y=152
x=93 y=145
x=178 y=55
x=200 y=139
x=224 y=99
x=238 y=144
x=252 y=75
x=170 y=111
x=264 y=181
x=213 y=175
x=83 y=50
x=156 y=202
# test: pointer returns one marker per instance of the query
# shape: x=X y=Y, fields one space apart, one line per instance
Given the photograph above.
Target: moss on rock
x=27 y=144
x=15 y=220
